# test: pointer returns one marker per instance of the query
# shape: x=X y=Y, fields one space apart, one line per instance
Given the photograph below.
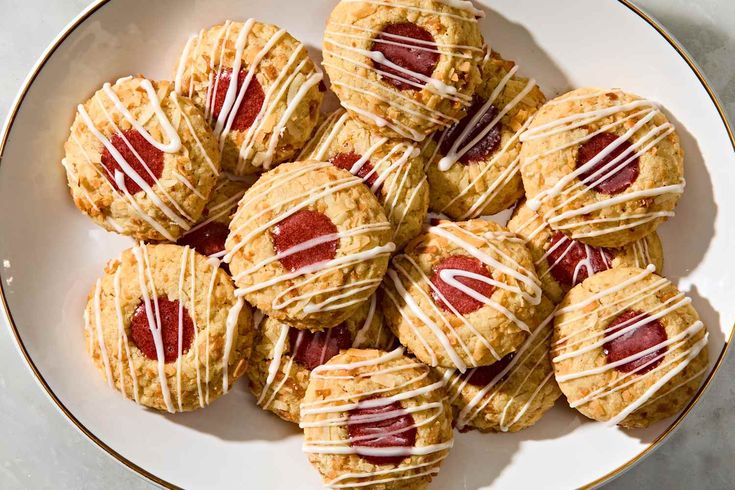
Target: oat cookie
x=375 y=419
x=140 y=160
x=164 y=328
x=406 y=68
x=602 y=166
x=628 y=347
x=513 y=393
x=308 y=244
x=268 y=115
x=474 y=166
x=462 y=295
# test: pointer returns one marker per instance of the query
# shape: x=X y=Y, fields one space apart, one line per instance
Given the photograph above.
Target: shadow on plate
x=236 y=417
x=518 y=43
x=697 y=210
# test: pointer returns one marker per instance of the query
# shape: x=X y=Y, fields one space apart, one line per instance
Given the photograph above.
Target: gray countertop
x=39 y=449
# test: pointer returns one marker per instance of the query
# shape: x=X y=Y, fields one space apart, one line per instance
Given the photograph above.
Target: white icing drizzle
x=679 y=352
x=433 y=85
x=533 y=353
x=457 y=151
x=149 y=297
x=339 y=406
x=367 y=58
x=177 y=216
x=361 y=334
x=174 y=144
x=154 y=322
x=290 y=88
x=461 y=146
x=180 y=332
x=233 y=316
x=572 y=186
x=214 y=268
x=392 y=171
x=386 y=476
x=345 y=295
x=100 y=335
x=530 y=292
x=274 y=366
x=640 y=250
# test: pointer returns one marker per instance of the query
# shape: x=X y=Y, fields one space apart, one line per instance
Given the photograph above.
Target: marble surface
x=39 y=449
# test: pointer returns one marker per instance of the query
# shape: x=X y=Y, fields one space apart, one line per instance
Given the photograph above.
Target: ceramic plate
x=51 y=253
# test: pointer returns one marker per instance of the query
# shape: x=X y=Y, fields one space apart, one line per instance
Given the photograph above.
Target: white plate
x=52 y=254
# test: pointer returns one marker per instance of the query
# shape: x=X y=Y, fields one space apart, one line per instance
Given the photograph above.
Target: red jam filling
x=570 y=261
x=412 y=48
x=208 y=239
x=251 y=102
x=301 y=227
x=152 y=156
x=347 y=160
x=482 y=376
x=385 y=426
x=461 y=301
x=486 y=146
x=646 y=336
x=618 y=180
x=312 y=349
x=168 y=311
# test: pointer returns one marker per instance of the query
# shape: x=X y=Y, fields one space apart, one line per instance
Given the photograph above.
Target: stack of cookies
x=297 y=248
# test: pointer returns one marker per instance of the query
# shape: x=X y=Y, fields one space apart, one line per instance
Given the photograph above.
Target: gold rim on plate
x=91 y=9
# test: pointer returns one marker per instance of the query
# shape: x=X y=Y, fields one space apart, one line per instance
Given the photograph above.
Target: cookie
x=474 y=166
x=405 y=68
x=268 y=115
x=308 y=243
x=283 y=356
x=562 y=263
x=628 y=348
x=602 y=166
x=140 y=160
x=513 y=393
x=392 y=168
x=208 y=236
x=164 y=327
x=377 y=420
x=462 y=295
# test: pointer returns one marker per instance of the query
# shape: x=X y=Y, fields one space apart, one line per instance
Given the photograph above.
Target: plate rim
x=96 y=5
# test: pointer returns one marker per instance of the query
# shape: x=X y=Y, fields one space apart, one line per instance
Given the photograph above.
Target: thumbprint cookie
x=308 y=243
x=474 y=166
x=406 y=68
x=628 y=347
x=164 y=327
x=283 y=356
x=375 y=419
x=269 y=113
x=141 y=160
x=513 y=393
x=562 y=263
x=392 y=168
x=462 y=295
x=208 y=236
x=602 y=166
